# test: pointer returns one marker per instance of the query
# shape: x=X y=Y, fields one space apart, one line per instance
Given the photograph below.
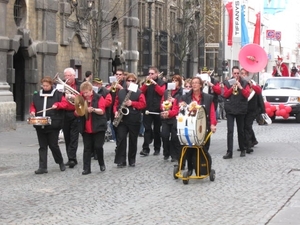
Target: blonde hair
x=86 y=86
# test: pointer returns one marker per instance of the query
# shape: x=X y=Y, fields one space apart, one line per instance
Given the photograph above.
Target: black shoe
x=132 y=165
x=156 y=153
x=144 y=153
x=173 y=160
x=86 y=172
x=121 y=165
x=102 y=168
x=190 y=172
x=249 y=150
x=41 y=171
x=62 y=167
x=243 y=153
x=141 y=135
x=166 y=157
x=72 y=164
x=254 y=143
x=238 y=150
x=227 y=156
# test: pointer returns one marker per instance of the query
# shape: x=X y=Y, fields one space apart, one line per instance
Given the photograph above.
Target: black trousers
x=48 y=138
x=240 y=129
x=91 y=142
x=123 y=130
x=71 y=135
x=171 y=144
x=152 y=134
x=249 y=133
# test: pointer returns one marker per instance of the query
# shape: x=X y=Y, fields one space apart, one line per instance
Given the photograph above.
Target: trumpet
x=149 y=81
x=235 y=88
x=114 y=87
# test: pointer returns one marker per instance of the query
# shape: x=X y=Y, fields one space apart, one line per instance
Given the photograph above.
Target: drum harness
x=45 y=101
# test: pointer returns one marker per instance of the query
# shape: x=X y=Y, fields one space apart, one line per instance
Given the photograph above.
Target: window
x=19 y=12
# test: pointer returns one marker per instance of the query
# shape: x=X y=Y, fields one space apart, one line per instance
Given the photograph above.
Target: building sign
x=212 y=45
x=270 y=34
x=278 y=35
x=237 y=19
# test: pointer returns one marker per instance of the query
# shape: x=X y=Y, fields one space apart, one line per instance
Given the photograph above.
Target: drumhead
x=201 y=125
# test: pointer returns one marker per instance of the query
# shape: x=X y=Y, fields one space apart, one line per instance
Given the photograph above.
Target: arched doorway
x=19 y=85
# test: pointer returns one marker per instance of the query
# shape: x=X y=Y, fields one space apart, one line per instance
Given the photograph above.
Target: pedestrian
x=47 y=133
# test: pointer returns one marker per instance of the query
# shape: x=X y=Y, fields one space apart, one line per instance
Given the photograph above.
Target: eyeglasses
x=119 y=74
x=130 y=80
x=237 y=73
x=188 y=86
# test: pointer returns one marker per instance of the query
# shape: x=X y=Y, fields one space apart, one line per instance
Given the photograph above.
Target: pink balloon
x=277 y=113
x=281 y=106
x=271 y=114
x=288 y=109
x=273 y=108
x=286 y=116
x=282 y=112
x=267 y=104
x=268 y=111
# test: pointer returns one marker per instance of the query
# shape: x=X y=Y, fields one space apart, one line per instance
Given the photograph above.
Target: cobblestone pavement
x=252 y=190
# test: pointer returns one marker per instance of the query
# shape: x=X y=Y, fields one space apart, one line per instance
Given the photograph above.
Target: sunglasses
x=236 y=73
x=130 y=80
x=188 y=86
x=119 y=74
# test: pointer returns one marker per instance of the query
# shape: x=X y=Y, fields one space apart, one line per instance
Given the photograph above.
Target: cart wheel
x=212 y=175
x=175 y=170
x=185 y=175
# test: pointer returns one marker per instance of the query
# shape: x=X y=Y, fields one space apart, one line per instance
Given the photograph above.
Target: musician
x=187 y=86
x=97 y=82
x=153 y=89
x=254 y=109
x=130 y=124
x=93 y=127
x=48 y=134
x=88 y=76
x=197 y=95
x=70 y=126
x=114 y=88
x=236 y=103
x=171 y=144
x=280 y=69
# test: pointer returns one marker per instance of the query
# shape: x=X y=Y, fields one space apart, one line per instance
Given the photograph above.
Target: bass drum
x=192 y=130
x=39 y=120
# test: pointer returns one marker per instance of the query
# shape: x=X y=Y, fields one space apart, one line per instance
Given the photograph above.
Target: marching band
x=171 y=117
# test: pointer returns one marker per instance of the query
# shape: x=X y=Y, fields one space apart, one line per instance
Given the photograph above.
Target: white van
x=283 y=90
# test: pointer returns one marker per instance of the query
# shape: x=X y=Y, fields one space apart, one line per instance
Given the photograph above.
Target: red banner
x=256 y=37
x=229 y=8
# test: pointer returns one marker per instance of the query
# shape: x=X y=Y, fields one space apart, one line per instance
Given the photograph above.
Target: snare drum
x=39 y=120
x=192 y=130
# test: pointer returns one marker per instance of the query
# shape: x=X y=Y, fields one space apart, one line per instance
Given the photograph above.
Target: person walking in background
x=236 y=96
x=130 y=124
x=47 y=134
x=153 y=89
x=88 y=76
x=222 y=112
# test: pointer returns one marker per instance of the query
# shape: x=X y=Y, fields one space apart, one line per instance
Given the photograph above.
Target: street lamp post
x=150 y=32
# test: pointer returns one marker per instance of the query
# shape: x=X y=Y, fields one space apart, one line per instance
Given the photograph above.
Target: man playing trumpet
x=153 y=89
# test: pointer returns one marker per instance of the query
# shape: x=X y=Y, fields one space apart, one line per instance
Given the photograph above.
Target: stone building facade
x=43 y=37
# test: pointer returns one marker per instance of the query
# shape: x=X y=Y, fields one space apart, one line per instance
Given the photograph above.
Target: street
x=253 y=190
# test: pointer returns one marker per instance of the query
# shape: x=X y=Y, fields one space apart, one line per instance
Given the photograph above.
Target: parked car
x=283 y=92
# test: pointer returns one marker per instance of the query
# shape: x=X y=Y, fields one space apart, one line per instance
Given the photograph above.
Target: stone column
x=131 y=23
x=7 y=104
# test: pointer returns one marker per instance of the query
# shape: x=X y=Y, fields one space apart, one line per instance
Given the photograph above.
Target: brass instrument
x=149 y=82
x=114 y=87
x=235 y=89
x=147 y=112
x=68 y=89
x=167 y=104
x=123 y=110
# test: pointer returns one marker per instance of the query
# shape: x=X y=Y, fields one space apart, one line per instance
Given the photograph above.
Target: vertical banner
x=244 y=29
x=256 y=37
x=229 y=9
x=237 y=18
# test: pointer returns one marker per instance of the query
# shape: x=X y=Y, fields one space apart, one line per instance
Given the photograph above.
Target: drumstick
x=43 y=110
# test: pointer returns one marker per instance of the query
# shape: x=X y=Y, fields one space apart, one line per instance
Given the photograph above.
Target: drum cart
x=186 y=176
